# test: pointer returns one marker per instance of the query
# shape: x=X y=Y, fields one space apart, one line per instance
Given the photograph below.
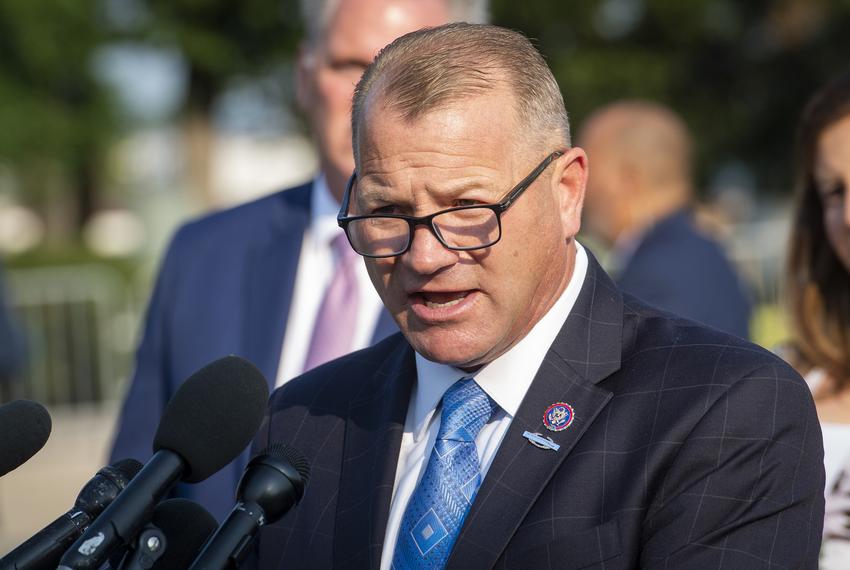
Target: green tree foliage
x=739 y=72
x=54 y=117
x=220 y=41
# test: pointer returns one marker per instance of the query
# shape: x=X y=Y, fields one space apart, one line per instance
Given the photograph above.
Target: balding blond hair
x=431 y=68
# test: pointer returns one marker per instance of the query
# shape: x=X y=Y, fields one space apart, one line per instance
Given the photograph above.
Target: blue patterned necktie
x=441 y=500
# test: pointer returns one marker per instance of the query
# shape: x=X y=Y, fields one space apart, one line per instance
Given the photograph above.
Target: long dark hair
x=818 y=284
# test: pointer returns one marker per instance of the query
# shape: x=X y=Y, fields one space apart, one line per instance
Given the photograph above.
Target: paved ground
x=46 y=486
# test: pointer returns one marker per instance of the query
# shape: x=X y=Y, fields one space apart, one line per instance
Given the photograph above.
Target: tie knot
x=466 y=408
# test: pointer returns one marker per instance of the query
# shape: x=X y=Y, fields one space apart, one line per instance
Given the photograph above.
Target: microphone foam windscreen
x=186 y=526
x=291 y=455
x=213 y=416
x=24 y=429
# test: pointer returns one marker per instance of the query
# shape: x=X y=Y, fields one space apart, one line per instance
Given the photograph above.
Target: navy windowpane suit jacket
x=225 y=287
x=690 y=448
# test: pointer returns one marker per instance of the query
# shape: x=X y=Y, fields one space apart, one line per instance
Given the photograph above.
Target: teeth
x=433 y=305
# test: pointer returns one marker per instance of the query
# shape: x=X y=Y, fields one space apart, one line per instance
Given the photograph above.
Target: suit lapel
x=372 y=440
x=587 y=350
x=270 y=281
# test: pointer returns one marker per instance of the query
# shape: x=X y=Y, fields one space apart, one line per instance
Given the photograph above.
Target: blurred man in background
x=639 y=194
x=274 y=280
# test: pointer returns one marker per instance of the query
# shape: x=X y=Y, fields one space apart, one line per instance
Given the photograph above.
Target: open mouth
x=443 y=300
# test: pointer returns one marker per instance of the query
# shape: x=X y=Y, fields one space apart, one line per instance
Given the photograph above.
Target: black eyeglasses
x=462 y=228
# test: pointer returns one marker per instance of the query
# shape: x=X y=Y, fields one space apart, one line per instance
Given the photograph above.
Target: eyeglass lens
x=469 y=228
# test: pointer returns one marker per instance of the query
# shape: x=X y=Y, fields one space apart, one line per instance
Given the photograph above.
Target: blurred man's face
x=832 y=172
x=466 y=308
x=603 y=205
x=328 y=71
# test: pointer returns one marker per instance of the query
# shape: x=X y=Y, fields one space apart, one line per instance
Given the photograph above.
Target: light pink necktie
x=337 y=317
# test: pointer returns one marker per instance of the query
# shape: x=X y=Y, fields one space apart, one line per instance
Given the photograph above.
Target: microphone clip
x=149 y=547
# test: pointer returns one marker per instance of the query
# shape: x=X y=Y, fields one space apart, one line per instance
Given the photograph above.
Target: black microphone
x=24 y=429
x=185 y=526
x=45 y=548
x=210 y=419
x=273 y=483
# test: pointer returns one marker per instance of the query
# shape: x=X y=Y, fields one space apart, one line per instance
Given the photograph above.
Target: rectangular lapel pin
x=538 y=440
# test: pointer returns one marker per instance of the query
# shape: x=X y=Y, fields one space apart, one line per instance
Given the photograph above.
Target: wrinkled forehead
x=470 y=124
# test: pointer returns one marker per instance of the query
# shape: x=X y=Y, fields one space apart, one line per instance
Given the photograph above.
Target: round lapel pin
x=558 y=417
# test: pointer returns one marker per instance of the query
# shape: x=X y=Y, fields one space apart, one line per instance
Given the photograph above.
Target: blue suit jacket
x=689 y=448
x=678 y=269
x=225 y=287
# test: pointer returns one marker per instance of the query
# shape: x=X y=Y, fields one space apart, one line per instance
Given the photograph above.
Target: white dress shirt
x=315 y=269
x=505 y=380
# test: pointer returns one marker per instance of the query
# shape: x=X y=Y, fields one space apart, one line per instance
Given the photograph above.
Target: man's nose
x=427 y=254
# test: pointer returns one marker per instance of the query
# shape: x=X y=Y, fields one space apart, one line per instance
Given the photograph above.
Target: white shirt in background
x=835 y=549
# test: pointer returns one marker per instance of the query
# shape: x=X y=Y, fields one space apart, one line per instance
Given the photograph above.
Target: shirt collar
x=507 y=378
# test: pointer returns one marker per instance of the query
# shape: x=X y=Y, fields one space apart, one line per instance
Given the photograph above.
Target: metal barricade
x=80 y=324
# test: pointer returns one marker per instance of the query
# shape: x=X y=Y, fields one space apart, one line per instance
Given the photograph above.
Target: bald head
x=317 y=14
x=640 y=167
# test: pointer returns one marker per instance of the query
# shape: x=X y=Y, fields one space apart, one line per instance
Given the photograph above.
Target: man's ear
x=570 y=182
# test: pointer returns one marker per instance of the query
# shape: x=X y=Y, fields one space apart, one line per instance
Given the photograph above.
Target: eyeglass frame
x=499 y=208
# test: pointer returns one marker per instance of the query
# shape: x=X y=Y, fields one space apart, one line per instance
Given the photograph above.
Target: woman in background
x=819 y=293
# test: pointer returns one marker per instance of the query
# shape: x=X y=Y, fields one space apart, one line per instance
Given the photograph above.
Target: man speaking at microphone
x=530 y=415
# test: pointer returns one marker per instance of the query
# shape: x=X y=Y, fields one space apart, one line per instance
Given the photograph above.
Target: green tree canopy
x=739 y=72
x=54 y=117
